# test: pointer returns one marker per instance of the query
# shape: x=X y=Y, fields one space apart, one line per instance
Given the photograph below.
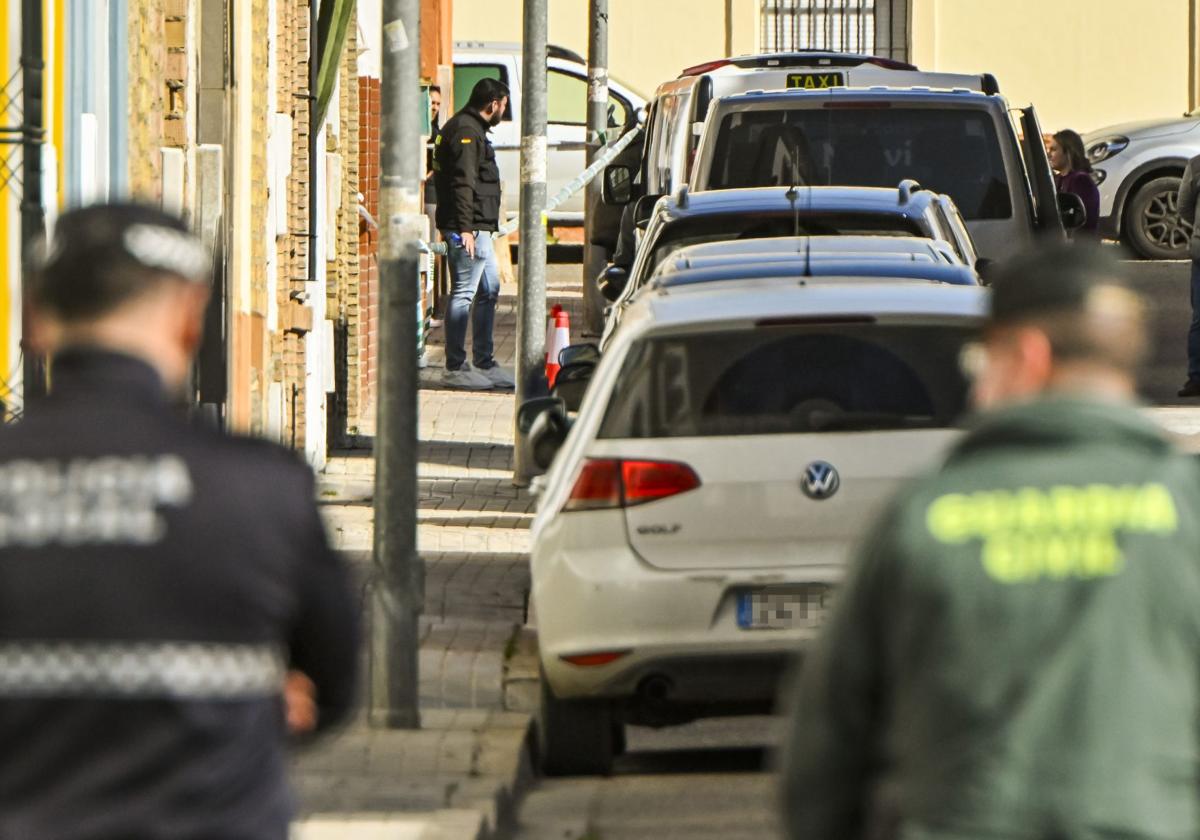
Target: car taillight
x=646 y=481
x=605 y=483
x=598 y=486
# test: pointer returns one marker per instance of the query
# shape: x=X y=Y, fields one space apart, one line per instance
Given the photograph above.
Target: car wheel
x=575 y=737
x=1153 y=228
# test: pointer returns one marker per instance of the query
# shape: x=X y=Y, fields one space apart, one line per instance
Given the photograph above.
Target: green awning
x=333 y=22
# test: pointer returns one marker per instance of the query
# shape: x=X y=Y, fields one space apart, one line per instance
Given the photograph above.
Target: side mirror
x=543 y=421
x=617 y=187
x=984 y=268
x=643 y=209
x=612 y=282
x=575 y=353
x=1072 y=211
x=571 y=383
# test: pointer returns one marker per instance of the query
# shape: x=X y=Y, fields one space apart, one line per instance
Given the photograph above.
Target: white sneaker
x=499 y=377
x=466 y=379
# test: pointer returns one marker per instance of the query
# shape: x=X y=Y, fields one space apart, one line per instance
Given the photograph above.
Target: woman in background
x=1073 y=174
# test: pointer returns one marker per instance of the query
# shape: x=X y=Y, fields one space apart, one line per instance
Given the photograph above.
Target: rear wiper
x=823 y=421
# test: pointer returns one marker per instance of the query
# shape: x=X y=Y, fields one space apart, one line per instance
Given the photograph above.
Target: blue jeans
x=475 y=285
x=1194 y=330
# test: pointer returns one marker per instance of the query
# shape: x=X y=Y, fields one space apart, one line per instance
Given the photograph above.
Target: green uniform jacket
x=1016 y=652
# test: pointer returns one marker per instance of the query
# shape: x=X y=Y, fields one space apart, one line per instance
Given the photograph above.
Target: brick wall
x=368 y=248
x=348 y=257
x=148 y=92
x=295 y=319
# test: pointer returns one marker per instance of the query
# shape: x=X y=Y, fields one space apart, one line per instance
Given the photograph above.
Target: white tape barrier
x=573 y=186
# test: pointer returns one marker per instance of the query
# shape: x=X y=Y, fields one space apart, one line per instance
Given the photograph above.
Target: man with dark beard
x=468 y=188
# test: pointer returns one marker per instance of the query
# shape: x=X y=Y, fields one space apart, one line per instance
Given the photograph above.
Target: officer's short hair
x=104 y=255
x=1080 y=297
x=485 y=92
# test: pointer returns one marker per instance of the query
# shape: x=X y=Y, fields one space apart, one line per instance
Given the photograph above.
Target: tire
x=1152 y=227
x=575 y=737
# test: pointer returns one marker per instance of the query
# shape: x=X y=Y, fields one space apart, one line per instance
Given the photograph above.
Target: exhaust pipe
x=655 y=689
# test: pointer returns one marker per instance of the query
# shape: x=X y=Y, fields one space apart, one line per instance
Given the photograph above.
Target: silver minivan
x=676 y=114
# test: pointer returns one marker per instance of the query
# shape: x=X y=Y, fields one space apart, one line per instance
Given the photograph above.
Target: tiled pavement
x=473 y=536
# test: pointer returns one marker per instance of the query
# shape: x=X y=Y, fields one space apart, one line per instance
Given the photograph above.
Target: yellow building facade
x=1083 y=63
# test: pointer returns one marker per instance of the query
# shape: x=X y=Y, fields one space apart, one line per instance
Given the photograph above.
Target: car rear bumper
x=676 y=632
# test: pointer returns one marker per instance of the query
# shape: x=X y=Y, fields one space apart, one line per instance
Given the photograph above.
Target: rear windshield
x=790 y=379
x=761 y=226
x=953 y=151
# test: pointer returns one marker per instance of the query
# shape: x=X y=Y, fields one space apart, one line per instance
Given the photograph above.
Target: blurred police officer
x=468 y=212
x=1016 y=653
x=158 y=581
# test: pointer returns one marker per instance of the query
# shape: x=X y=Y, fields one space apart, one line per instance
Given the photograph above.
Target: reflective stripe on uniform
x=185 y=670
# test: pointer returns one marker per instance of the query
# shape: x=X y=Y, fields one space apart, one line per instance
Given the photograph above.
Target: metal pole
x=531 y=306
x=32 y=211
x=397 y=587
x=597 y=123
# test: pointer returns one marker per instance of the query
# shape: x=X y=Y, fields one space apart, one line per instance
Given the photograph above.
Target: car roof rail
x=989 y=84
x=798 y=58
x=880 y=269
x=906 y=189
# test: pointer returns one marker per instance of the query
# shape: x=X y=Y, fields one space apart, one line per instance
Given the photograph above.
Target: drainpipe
x=314 y=67
x=32 y=213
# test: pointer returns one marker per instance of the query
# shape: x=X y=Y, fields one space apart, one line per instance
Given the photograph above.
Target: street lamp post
x=397 y=587
x=597 y=123
x=531 y=308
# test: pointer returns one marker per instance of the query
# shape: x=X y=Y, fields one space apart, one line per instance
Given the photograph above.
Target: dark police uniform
x=466 y=175
x=1017 y=651
x=157 y=580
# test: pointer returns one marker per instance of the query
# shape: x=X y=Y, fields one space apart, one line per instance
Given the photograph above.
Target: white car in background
x=566 y=115
x=1138 y=168
x=735 y=440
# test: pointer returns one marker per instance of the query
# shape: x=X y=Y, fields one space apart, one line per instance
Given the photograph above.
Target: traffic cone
x=554 y=310
x=562 y=338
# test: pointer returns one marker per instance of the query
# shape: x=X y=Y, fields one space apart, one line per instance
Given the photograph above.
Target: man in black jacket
x=468 y=212
x=160 y=583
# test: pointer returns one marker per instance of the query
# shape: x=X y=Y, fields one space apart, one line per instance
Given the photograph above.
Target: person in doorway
x=1187 y=202
x=997 y=661
x=169 y=604
x=468 y=213
x=1073 y=174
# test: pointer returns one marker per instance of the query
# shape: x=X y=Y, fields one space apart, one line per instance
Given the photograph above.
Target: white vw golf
x=735 y=440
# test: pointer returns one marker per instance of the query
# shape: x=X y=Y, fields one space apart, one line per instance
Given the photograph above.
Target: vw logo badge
x=820 y=480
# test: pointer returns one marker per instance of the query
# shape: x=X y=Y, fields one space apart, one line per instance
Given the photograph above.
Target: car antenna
x=792 y=194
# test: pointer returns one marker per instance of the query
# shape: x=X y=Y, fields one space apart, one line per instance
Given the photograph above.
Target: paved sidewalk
x=456 y=776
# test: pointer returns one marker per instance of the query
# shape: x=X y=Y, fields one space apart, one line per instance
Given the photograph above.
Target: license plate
x=782 y=609
x=815 y=81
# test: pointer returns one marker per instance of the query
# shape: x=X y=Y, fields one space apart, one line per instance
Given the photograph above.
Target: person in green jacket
x=1016 y=651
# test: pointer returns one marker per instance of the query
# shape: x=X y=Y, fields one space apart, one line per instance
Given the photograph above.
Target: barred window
x=872 y=27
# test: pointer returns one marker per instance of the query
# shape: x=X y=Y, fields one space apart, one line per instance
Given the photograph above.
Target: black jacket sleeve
x=462 y=156
x=831 y=750
x=325 y=639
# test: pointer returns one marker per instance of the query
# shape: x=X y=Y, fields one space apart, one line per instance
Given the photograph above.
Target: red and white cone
x=562 y=338
x=554 y=310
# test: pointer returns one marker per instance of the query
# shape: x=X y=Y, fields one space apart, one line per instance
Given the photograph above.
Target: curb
x=498 y=813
